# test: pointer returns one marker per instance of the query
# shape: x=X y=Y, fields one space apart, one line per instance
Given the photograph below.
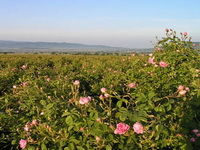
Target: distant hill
x=16 y=46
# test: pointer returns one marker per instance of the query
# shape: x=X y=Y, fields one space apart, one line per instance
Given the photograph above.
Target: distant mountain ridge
x=50 y=45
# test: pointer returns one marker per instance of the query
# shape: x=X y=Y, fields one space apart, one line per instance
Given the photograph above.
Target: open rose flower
x=76 y=82
x=121 y=128
x=151 y=60
x=132 y=85
x=23 y=143
x=163 y=64
x=85 y=100
x=103 y=90
x=138 y=128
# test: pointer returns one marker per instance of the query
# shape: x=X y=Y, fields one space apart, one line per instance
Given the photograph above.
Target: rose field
x=110 y=102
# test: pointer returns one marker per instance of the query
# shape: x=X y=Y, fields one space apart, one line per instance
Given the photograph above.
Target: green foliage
x=40 y=102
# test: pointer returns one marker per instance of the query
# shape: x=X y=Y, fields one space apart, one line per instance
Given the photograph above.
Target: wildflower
x=182 y=92
x=81 y=129
x=24 y=67
x=185 y=33
x=151 y=60
x=98 y=138
x=103 y=90
x=138 y=128
x=23 y=143
x=85 y=100
x=14 y=86
x=34 y=122
x=106 y=95
x=121 y=128
x=181 y=87
x=163 y=64
x=192 y=139
x=167 y=30
x=131 y=85
x=76 y=82
x=98 y=120
x=195 y=130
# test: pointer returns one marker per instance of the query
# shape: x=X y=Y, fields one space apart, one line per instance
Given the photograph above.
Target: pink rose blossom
x=24 y=67
x=131 y=85
x=185 y=33
x=181 y=87
x=81 y=129
x=13 y=69
x=138 y=128
x=195 y=130
x=85 y=100
x=76 y=82
x=167 y=30
x=194 y=45
x=48 y=79
x=27 y=128
x=192 y=139
x=34 y=122
x=151 y=60
x=106 y=95
x=23 y=143
x=14 y=86
x=98 y=138
x=187 y=88
x=103 y=90
x=98 y=120
x=121 y=128
x=163 y=64
x=182 y=92
x=101 y=97
x=198 y=134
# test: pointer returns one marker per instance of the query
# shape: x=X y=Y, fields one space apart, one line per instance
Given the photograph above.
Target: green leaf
x=69 y=120
x=49 y=106
x=108 y=147
x=43 y=146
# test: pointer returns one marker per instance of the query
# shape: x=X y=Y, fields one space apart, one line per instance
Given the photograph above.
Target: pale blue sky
x=125 y=23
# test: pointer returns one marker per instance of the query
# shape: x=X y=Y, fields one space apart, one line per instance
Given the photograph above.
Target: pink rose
x=27 y=128
x=98 y=138
x=163 y=64
x=76 y=82
x=138 y=128
x=85 y=100
x=13 y=69
x=103 y=90
x=192 y=139
x=185 y=33
x=34 y=122
x=182 y=92
x=23 y=143
x=151 y=60
x=131 y=85
x=121 y=128
x=24 y=67
x=106 y=95
x=198 y=134
x=181 y=87
x=167 y=30
x=195 y=130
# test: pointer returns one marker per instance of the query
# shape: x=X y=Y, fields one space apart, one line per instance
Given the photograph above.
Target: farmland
x=108 y=102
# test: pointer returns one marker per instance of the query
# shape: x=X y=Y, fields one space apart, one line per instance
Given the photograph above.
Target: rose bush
x=102 y=102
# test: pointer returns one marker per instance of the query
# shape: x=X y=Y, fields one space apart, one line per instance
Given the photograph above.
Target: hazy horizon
x=131 y=24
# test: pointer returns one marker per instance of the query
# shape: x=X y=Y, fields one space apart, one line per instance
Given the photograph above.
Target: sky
x=121 y=23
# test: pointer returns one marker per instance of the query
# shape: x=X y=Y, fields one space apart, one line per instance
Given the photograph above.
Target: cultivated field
x=87 y=102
